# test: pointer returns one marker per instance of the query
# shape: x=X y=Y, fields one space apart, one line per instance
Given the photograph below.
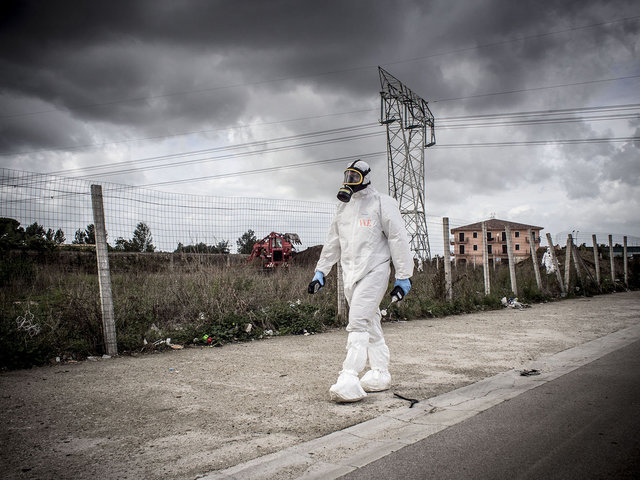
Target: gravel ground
x=182 y=413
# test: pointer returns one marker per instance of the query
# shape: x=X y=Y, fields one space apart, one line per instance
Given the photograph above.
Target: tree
x=246 y=241
x=85 y=237
x=220 y=247
x=34 y=237
x=56 y=238
x=141 y=241
x=12 y=235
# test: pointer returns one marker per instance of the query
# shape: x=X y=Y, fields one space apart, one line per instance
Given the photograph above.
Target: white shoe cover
x=376 y=380
x=347 y=388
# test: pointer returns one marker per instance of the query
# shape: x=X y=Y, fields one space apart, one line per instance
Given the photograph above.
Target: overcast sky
x=96 y=83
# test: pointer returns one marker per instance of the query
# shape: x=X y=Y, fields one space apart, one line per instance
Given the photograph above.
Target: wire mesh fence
x=173 y=219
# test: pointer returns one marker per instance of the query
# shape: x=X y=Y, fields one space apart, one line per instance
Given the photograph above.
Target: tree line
x=35 y=237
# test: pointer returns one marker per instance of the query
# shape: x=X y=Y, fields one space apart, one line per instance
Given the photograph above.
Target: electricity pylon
x=410 y=129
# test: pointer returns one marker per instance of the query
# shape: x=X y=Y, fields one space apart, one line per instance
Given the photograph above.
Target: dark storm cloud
x=157 y=67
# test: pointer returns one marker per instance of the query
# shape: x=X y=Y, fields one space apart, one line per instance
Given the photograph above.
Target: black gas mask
x=354 y=180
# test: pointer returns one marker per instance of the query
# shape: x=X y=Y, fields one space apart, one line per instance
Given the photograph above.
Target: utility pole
x=410 y=129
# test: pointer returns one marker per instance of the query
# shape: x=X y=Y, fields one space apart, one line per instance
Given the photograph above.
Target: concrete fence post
x=612 y=263
x=556 y=266
x=104 y=275
x=485 y=260
x=625 y=261
x=567 y=263
x=577 y=259
x=534 y=259
x=596 y=258
x=512 y=263
x=447 y=260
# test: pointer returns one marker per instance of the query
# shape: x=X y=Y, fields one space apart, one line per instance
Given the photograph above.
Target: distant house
x=467 y=242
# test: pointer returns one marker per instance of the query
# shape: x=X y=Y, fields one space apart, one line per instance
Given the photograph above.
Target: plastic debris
x=248 y=327
x=268 y=332
x=514 y=303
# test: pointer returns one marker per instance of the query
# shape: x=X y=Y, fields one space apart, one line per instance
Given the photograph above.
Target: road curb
x=341 y=452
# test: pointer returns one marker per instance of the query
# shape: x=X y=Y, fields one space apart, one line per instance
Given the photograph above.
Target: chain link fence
x=174 y=219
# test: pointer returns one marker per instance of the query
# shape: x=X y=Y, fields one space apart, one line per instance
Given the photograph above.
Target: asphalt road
x=583 y=425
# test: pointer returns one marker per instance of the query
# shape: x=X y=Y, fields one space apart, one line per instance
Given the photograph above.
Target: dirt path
x=183 y=413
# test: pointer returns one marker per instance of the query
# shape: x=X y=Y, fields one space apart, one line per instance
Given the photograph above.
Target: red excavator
x=275 y=249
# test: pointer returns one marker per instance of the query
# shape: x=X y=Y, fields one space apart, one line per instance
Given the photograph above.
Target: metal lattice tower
x=407 y=118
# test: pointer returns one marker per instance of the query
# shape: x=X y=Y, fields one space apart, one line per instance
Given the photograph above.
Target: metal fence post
x=104 y=276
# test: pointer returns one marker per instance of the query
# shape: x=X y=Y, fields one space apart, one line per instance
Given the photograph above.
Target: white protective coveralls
x=365 y=234
x=547 y=261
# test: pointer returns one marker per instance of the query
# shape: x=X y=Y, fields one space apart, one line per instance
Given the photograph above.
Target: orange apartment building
x=467 y=241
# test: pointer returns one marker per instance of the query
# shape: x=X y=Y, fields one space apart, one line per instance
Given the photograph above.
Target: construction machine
x=275 y=249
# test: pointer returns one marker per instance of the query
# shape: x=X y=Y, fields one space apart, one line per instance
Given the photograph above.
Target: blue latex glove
x=405 y=285
x=317 y=283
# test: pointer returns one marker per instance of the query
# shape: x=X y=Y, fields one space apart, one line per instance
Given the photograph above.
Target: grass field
x=51 y=308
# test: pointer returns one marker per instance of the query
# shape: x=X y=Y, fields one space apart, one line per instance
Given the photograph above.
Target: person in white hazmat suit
x=367 y=232
x=547 y=261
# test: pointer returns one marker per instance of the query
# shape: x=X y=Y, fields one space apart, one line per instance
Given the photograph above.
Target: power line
x=266 y=169
x=541 y=121
x=345 y=70
x=521 y=90
x=289 y=147
x=525 y=143
x=193 y=132
x=223 y=148
x=375 y=154
x=442 y=122
x=615 y=107
x=232 y=155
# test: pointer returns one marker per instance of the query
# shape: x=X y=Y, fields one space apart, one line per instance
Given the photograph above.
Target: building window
x=504 y=236
x=517 y=246
x=475 y=234
x=504 y=249
x=461 y=249
x=475 y=248
x=489 y=249
x=461 y=236
x=489 y=238
x=517 y=236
